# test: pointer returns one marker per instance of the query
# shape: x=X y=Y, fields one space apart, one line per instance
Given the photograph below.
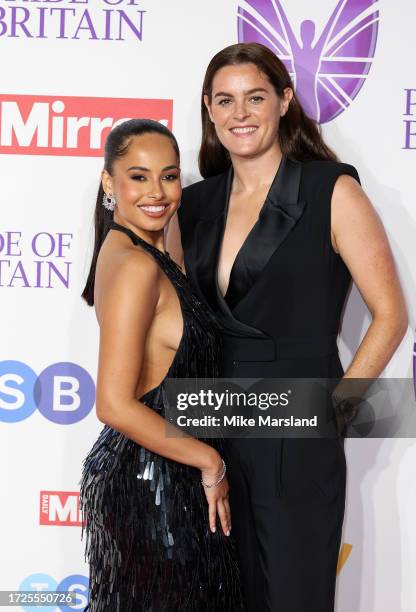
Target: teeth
x=153 y=208
x=244 y=130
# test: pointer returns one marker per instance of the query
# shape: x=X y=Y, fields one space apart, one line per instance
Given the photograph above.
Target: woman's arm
x=126 y=311
x=359 y=237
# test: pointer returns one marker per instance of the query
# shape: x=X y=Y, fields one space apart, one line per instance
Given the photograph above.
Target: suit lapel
x=279 y=215
x=208 y=240
x=209 y=232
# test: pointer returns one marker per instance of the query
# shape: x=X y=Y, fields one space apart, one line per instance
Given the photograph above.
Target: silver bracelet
x=217 y=482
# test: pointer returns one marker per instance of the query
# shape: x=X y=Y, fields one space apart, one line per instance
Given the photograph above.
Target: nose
x=241 y=110
x=155 y=191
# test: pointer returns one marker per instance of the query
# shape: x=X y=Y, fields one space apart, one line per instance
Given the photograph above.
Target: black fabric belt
x=268 y=349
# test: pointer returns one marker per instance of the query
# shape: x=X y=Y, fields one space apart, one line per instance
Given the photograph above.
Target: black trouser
x=287 y=504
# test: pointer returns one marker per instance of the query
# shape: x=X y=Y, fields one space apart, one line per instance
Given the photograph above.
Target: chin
x=149 y=224
x=155 y=226
x=242 y=149
x=246 y=151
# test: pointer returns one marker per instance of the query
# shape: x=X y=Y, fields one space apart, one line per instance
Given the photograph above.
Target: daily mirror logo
x=62 y=125
x=328 y=65
x=60 y=508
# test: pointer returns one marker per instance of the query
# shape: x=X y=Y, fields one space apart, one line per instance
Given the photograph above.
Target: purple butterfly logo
x=328 y=70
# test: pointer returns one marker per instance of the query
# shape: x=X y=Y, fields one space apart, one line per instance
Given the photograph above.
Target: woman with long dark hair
x=272 y=237
x=149 y=501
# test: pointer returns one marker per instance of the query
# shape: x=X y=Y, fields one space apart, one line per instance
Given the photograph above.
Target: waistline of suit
x=240 y=349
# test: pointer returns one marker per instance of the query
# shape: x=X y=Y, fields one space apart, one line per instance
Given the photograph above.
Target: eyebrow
x=143 y=169
x=246 y=93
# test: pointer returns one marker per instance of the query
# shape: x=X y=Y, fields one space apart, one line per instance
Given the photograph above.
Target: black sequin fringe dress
x=148 y=543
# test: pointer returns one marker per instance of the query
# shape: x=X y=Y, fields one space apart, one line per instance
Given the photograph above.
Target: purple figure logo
x=328 y=70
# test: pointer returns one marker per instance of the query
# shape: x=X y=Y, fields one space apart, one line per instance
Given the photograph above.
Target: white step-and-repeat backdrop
x=69 y=70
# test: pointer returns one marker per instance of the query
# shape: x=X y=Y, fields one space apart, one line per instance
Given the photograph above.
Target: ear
x=208 y=107
x=107 y=182
x=285 y=101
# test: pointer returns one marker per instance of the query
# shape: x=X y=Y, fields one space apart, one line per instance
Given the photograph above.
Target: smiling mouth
x=154 y=210
x=244 y=131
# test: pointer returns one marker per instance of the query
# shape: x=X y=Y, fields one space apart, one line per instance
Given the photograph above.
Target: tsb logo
x=39 y=582
x=61 y=125
x=63 y=392
x=60 y=508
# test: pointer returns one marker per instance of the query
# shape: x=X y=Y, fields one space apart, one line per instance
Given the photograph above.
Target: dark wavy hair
x=116 y=145
x=299 y=136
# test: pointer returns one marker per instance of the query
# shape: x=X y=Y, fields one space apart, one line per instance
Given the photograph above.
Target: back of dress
x=148 y=541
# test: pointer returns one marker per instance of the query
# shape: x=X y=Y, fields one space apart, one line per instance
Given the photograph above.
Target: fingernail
x=228 y=533
x=213 y=529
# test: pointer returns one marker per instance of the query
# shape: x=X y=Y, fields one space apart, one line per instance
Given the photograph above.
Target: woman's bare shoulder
x=126 y=276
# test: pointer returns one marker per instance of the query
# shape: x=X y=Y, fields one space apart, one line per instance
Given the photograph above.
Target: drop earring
x=109 y=201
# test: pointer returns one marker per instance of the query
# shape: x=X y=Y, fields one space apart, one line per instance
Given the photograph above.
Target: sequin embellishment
x=145 y=517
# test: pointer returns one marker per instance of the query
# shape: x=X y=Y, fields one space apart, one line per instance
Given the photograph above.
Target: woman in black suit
x=271 y=238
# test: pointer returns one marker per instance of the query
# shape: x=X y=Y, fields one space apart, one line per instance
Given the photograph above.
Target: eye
x=170 y=177
x=256 y=99
x=138 y=177
x=224 y=102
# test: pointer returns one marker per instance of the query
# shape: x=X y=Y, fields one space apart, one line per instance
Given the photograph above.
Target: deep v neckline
x=250 y=233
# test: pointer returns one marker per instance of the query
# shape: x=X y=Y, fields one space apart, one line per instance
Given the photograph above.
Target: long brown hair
x=299 y=136
x=116 y=145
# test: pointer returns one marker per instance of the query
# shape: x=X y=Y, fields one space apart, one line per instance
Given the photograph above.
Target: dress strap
x=138 y=240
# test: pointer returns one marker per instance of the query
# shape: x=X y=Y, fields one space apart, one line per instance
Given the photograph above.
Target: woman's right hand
x=217 y=498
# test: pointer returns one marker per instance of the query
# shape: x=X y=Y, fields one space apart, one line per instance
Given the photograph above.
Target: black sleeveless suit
x=281 y=317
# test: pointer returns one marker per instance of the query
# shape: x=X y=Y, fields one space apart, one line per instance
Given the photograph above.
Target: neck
x=252 y=173
x=156 y=239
